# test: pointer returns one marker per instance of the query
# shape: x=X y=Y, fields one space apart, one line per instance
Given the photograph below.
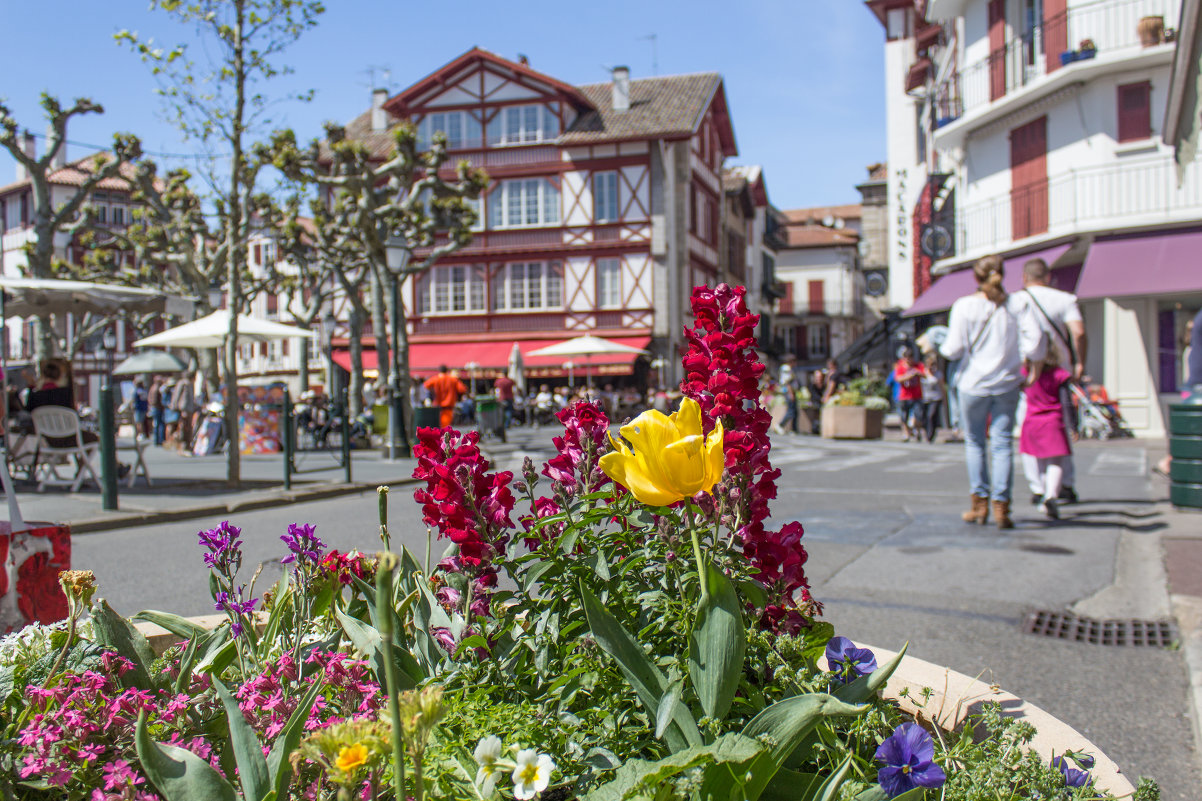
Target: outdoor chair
x=60 y=435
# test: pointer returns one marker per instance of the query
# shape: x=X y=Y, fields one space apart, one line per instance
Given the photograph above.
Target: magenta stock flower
x=722 y=373
x=304 y=546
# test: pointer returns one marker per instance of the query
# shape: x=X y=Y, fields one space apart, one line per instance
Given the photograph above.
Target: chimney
x=621 y=88
x=31 y=149
x=59 y=159
x=379 y=117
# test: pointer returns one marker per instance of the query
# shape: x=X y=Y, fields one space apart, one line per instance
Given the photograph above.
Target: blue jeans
x=989 y=475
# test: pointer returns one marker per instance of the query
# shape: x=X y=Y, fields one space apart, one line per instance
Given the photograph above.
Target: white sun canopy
x=210 y=332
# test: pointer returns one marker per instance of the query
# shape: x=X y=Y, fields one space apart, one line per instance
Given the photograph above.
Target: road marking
x=1124 y=462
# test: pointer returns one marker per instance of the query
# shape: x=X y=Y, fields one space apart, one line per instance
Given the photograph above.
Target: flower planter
x=1068 y=57
x=955 y=696
x=1151 y=31
x=1086 y=55
x=852 y=422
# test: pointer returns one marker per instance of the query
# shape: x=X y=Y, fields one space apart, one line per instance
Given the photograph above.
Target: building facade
x=1038 y=134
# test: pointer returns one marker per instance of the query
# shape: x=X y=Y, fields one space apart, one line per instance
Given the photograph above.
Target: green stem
x=386 y=564
x=385 y=537
x=418 y=782
x=702 y=578
x=72 y=617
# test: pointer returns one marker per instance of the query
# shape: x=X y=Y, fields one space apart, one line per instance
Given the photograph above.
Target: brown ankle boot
x=1001 y=513
x=979 y=512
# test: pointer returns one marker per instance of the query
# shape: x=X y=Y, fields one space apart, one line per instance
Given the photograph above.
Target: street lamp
x=108 y=426
x=471 y=368
x=327 y=340
x=397 y=256
x=658 y=363
x=215 y=296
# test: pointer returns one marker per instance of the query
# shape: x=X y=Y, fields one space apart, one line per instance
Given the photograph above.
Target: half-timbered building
x=603 y=211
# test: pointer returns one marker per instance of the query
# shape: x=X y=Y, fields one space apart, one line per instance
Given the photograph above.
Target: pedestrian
x=1044 y=436
x=154 y=398
x=446 y=389
x=1059 y=319
x=141 y=409
x=503 y=387
x=835 y=380
x=933 y=392
x=788 y=388
x=183 y=403
x=908 y=372
x=991 y=338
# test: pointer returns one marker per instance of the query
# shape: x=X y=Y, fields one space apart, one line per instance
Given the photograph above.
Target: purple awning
x=944 y=292
x=1143 y=265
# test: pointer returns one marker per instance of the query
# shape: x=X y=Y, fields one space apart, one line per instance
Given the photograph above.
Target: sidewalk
x=187 y=487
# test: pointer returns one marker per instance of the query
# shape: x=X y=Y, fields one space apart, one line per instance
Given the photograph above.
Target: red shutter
x=273 y=303
x=817 y=304
x=262 y=348
x=693 y=209
x=1029 y=179
x=284 y=347
x=997 y=49
x=1055 y=31
x=799 y=345
x=1135 y=111
x=786 y=303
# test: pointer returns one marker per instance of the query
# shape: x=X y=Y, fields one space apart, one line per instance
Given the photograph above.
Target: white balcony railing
x=1112 y=25
x=1108 y=197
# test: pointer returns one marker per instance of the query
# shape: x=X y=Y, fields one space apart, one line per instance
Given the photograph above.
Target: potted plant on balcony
x=1086 y=50
x=1151 y=31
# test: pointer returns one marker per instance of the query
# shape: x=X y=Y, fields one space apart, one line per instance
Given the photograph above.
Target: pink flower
x=118 y=775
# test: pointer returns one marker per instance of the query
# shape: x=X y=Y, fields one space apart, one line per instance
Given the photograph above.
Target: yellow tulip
x=671 y=459
x=351 y=757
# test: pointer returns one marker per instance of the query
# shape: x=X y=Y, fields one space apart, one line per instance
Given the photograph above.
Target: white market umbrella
x=517 y=368
x=586 y=346
x=25 y=297
x=210 y=332
x=149 y=361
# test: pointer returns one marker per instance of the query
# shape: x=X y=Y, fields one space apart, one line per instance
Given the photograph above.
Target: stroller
x=1097 y=416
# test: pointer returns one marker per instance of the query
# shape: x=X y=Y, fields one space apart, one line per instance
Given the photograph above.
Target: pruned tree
x=400 y=203
x=219 y=104
x=59 y=212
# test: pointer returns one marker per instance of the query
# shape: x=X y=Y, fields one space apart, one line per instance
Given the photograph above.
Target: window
x=609 y=283
x=515 y=125
x=461 y=128
x=456 y=289
x=529 y=201
x=273 y=303
x=118 y=215
x=605 y=197
x=1135 y=112
x=818 y=340
x=533 y=285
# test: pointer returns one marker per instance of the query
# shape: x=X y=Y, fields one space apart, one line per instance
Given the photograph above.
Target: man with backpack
x=1060 y=320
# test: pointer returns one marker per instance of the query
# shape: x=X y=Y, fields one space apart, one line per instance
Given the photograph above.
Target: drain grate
x=1067 y=626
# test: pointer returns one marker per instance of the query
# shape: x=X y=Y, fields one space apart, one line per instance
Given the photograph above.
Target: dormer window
x=516 y=125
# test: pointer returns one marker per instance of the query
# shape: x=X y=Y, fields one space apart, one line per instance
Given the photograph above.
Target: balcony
x=851 y=307
x=1127 y=194
x=1112 y=25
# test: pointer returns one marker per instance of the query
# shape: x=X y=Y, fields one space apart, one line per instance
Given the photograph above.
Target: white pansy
x=488 y=751
x=531 y=773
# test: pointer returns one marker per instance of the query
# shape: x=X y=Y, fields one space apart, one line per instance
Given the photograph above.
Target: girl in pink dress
x=1044 y=434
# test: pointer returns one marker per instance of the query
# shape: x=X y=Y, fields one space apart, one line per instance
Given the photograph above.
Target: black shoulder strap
x=1068 y=343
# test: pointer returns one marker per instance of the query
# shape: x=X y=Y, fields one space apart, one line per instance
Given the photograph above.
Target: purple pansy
x=303 y=544
x=847 y=661
x=908 y=756
x=1072 y=776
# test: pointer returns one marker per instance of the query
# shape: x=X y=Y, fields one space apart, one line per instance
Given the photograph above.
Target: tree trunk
x=234 y=255
x=402 y=366
x=304 y=364
x=379 y=324
x=355 y=386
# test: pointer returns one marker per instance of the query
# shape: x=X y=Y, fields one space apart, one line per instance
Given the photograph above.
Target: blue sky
x=804 y=78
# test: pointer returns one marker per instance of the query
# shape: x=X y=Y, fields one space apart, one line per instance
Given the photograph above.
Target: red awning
x=493 y=358
x=948 y=288
x=918 y=74
x=1142 y=265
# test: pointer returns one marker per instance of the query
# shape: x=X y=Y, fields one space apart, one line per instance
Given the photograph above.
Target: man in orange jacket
x=446 y=389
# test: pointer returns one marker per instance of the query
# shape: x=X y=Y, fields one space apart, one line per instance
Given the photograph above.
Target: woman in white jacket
x=991 y=337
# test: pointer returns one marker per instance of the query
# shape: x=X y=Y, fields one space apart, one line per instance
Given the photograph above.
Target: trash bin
x=426 y=416
x=489 y=419
x=1185 y=446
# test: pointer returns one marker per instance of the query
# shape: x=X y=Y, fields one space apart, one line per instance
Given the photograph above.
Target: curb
x=1187 y=609
x=274 y=498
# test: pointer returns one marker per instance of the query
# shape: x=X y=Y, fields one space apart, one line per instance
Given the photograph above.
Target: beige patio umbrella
x=586 y=346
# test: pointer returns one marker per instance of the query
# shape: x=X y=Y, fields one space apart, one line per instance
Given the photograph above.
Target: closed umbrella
x=149 y=361
x=517 y=368
x=210 y=332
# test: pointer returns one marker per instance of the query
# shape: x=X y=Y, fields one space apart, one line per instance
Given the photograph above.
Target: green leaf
x=667 y=708
x=791 y=785
x=175 y=624
x=817 y=635
x=829 y=791
x=248 y=752
x=278 y=766
x=177 y=774
x=717 y=645
x=221 y=653
x=865 y=687
x=115 y=632
x=638 y=776
x=370 y=643
x=601 y=566
x=648 y=681
x=787 y=722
